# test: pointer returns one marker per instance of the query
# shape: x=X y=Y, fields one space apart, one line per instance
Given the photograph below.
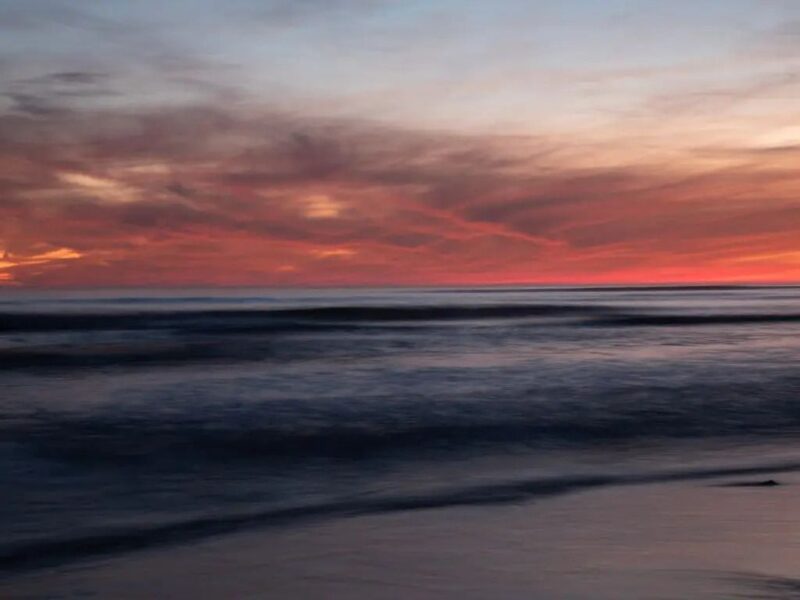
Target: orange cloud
x=10 y=263
x=321 y=206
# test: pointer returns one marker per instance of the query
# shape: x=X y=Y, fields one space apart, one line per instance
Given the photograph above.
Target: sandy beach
x=658 y=541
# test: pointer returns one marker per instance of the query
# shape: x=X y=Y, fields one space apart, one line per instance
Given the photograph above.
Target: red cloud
x=197 y=196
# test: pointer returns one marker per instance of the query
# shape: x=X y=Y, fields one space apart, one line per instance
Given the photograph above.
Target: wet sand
x=657 y=541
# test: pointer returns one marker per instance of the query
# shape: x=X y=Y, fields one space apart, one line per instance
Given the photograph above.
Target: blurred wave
x=168 y=336
x=278 y=428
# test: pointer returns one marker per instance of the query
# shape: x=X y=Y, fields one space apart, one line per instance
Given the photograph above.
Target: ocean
x=135 y=421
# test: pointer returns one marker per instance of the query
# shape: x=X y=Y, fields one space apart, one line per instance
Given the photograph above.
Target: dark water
x=133 y=419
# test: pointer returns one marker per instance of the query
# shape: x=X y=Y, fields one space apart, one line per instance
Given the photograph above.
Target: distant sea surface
x=135 y=419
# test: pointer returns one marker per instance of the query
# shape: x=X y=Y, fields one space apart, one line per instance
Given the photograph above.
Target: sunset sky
x=413 y=142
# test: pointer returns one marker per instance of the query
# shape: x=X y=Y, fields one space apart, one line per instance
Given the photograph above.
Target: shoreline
x=121 y=541
x=657 y=540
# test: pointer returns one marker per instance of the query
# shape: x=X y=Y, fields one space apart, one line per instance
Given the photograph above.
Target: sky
x=412 y=142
